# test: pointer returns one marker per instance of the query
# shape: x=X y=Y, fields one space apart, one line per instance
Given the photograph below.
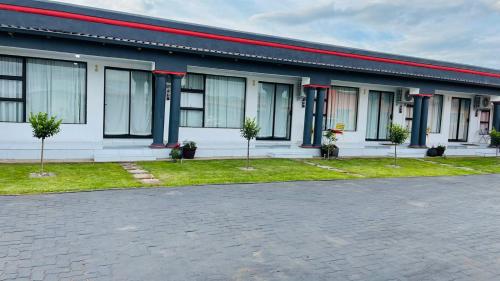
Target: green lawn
x=228 y=171
x=489 y=165
x=14 y=178
x=381 y=167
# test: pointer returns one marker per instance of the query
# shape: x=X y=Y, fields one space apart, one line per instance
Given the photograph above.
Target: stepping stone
x=143 y=176
x=137 y=171
x=150 y=181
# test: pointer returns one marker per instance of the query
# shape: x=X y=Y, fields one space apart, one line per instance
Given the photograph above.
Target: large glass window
x=342 y=108
x=484 y=122
x=274 y=110
x=435 y=113
x=30 y=85
x=128 y=108
x=212 y=101
x=459 y=119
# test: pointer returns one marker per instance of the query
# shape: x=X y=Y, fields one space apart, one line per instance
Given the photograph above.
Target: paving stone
x=143 y=176
x=138 y=171
x=443 y=228
x=150 y=181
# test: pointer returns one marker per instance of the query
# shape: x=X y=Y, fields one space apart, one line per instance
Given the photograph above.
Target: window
x=11 y=89
x=342 y=107
x=435 y=112
x=128 y=103
x=484 y=122
x=30 y=85
x=212 y=101
x=379 y=120
x=274 y=110
x=192 y=100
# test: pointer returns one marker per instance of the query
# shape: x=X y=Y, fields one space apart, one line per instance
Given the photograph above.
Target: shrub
x=44 y=127
x=495 y=139
x=249 y=131
x=176 y=152
x=189 y=145
x=398 y=135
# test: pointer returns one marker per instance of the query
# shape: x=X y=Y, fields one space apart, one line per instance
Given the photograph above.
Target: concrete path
x=444 y=228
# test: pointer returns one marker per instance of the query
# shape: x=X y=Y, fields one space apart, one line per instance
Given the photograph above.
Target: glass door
x=380 y=110
x=128 y=103
x=459 y=119
x=274 y=111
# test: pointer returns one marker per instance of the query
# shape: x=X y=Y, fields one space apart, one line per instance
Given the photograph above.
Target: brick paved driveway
x=391 y=229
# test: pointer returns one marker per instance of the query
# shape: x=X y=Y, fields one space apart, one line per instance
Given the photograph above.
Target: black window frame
x=393 y=94
x=205 y=75
x=409 y=118
x=290 y=112
x=128 y=136
x=195 y=91
x=24 y=79
x=329 y=93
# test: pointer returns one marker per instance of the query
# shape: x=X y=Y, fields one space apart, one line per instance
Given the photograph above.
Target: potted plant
x=432 y=152
x=188 y=149
x=495 y=139
x=329 y=148
x=440 y=150
x=176 y=153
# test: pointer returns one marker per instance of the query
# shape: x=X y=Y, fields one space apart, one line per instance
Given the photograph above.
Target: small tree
x=398 y=135
x=495 y=140
x=249 y=131
x=44 y=127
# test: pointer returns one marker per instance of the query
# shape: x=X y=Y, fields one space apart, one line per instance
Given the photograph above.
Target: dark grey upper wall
x=230 y=48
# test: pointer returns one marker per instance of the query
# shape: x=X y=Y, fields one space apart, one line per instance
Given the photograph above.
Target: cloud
x=457 y=30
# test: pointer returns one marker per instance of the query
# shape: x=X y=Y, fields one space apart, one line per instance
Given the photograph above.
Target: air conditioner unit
x=482 y=102
x=403 y=96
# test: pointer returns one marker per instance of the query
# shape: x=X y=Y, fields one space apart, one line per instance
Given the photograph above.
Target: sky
x=463 y=31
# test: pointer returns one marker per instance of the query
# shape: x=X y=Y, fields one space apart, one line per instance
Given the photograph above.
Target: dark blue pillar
x=415 y=126
x=496 y=115
x=318 y=120
x=423 y=122
x=308 y=116
x=159 y=110
x=175 y=111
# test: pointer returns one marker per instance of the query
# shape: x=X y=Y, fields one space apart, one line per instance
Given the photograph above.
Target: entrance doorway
x=380 y=111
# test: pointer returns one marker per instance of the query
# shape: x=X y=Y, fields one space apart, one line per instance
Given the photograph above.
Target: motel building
x=128 y=87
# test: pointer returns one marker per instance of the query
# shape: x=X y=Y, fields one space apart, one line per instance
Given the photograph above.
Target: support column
x=175 y=110
x=308 y=117
x=159 y=110
x=423 y=121
x=318 y=120
x=415 y=126
x=496 y=115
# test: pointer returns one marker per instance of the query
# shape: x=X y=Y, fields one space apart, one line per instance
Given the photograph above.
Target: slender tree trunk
x=41 y=155
x=395 y=155
x=248 y=154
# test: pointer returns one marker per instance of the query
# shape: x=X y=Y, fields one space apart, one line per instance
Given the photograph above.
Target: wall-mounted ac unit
x=482 y=102
x=403 y=96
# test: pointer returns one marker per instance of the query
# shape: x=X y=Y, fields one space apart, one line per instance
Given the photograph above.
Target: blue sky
x=452 y=30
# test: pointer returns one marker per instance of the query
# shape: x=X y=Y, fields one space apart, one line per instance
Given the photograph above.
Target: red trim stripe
x=136 y=25
x=167 y=72
x=423 y=95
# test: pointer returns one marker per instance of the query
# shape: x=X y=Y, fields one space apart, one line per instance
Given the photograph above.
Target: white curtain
x=191 y=118
x=463 y=128
x=192 y=82
x=385 y=115
x=116 y=120
x=282 y=112
x=11 y=66
x=372 y=121
x=141 y=107
x=265 y=110
x=224 y=101
x=56 y=87
x=455 y=104
x=342 y=108
x=435 y=111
